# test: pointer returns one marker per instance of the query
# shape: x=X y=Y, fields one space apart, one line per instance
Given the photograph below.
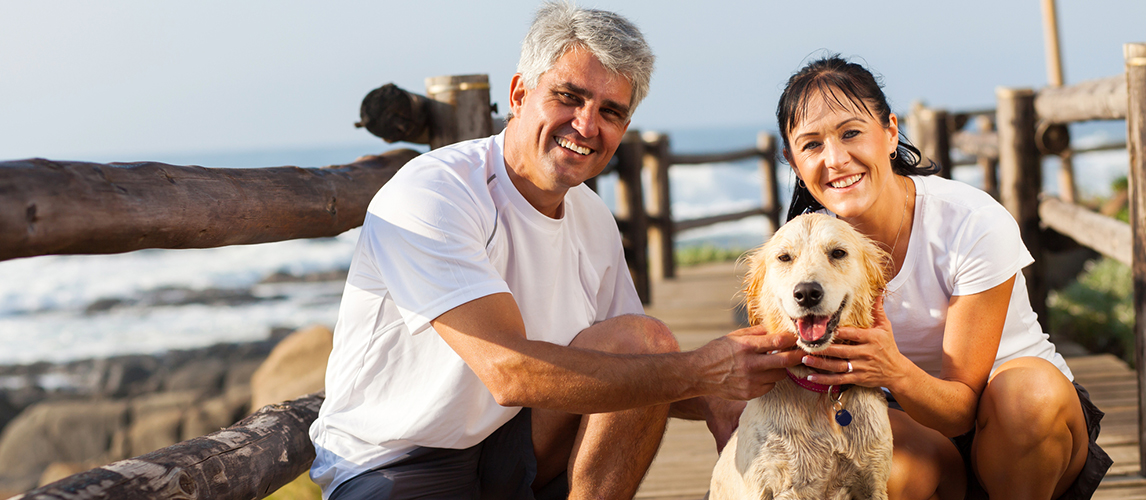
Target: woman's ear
x=893 y=131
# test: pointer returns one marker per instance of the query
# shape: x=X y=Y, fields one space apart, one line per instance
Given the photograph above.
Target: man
x=490 y=342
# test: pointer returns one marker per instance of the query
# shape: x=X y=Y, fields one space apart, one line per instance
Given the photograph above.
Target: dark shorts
x=1097 y=461
x=500 y=467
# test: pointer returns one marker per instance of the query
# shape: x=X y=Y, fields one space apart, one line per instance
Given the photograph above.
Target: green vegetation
x=701 y=254
x=302 y=488
x=1097 y=310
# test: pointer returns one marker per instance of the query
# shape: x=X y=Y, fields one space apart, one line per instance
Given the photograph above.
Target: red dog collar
x=814 y=387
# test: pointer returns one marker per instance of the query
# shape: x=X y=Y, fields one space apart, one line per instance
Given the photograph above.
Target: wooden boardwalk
x=700 y=305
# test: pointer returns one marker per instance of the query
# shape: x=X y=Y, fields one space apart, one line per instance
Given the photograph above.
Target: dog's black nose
x=808 y=294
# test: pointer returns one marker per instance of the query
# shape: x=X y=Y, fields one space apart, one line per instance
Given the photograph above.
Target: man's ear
x=517 y=93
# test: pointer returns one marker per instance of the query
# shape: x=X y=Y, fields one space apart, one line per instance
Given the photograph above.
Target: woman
x=956 y=343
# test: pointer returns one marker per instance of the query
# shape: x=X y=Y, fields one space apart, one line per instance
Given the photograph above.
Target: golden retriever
x=800 y=440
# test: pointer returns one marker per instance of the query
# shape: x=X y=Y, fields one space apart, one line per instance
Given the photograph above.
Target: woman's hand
x=872 y=358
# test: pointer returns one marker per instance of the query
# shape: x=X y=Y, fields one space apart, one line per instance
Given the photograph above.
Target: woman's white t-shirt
x=448 y=228
x=962 y=242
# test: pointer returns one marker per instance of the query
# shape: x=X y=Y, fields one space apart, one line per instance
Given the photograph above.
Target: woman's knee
x=1026 y=399
x=628 y=334
x=924 y=462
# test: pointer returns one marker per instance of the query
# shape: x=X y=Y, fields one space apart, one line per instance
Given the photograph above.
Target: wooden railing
x=1031 y=124
x=644 y=216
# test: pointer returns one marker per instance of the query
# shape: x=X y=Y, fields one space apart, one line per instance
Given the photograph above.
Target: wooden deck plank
x=701 y=304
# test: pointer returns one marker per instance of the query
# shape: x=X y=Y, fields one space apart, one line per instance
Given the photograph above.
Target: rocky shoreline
x=57 y=419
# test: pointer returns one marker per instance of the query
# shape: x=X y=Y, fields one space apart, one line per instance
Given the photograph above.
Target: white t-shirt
x=449 y=228
x=962 y=242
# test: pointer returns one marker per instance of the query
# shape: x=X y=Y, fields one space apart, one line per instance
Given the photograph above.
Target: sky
x=127 y=80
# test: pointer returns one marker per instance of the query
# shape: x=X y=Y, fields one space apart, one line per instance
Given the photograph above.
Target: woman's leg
x=1030 y=438
x=924 y=463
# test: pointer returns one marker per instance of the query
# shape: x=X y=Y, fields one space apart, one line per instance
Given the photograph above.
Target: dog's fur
x=788 y=444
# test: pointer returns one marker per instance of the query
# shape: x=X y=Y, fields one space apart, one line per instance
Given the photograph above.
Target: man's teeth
x=845 y=182
x=573 y=147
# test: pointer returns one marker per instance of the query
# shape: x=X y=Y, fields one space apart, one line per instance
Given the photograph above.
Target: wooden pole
x=461 y=109
x=1066 y=184
x=1020 y=182
x=50 y=207
x=248 y=460
x=662 y=257
x=1135 y=55
x=769 y=188
x=633 y=220
x=931 y=136
x=395 y=115
x=989 y=165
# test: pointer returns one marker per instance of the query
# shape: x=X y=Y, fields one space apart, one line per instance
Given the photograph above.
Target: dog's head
x=816 y=273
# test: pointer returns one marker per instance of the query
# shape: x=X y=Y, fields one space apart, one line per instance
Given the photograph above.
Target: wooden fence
x=1009 y=145
x=52 y=207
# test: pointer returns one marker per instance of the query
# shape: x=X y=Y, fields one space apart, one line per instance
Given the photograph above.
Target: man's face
x=568 y=127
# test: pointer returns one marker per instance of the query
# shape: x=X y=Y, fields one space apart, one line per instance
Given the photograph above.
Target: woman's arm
x=948 y=404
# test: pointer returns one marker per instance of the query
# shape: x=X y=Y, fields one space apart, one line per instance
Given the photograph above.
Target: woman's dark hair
x=837 y=80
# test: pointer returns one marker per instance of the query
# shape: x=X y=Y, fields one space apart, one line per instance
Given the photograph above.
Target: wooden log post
x=662 y=255
x=631 y=216
x=929 y=129
x=1020 y=182
x=989 y=164
x=395 y=115
x=769 y=188
x=1135 y=55
x=248 y=460
x=460 y=109
x=52 y=207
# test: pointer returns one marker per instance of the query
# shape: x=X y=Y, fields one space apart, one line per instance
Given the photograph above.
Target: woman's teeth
x=573 y=147
x=847 y=181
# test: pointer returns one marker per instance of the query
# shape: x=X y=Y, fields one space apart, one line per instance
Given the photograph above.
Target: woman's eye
x=839 y=253
x=850 y=133
x=808 y=146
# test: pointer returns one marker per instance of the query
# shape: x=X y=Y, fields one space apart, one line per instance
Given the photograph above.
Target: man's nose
x=585 y=121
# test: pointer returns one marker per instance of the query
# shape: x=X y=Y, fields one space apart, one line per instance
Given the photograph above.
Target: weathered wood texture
x=931 y=132
x=631 y=213
x=56 y=207
x=1102 y=99
x=248 y=460
x=662 y=257
x=460 y=108
x=1110 y=237
x=1135 y=55
x=1021 y=180
x=396 y=115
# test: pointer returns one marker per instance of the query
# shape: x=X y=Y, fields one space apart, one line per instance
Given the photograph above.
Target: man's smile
x=572 y=147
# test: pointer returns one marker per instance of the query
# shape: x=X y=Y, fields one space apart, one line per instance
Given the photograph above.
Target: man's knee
x=628 y=334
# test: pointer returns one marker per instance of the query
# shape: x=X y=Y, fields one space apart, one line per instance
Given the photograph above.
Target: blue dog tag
x=843 y=417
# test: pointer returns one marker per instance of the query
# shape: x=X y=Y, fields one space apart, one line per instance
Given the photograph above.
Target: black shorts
x=500 y=467
x=1097 y=461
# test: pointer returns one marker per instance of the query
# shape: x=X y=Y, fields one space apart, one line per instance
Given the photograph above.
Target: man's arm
x=489 y=334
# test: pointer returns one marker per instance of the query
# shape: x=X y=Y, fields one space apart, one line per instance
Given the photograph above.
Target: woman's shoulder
x=955 y=195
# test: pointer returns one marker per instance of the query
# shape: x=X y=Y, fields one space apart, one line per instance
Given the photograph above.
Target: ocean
x=67 y=307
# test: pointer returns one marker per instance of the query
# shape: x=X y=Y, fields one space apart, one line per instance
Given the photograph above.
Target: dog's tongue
x=812 y=328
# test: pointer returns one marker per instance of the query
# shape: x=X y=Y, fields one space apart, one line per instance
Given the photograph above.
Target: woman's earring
x=894 y=154
x=800 y=183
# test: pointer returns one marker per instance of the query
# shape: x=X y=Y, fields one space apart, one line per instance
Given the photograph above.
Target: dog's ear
x=875 y=262
x=754 y=283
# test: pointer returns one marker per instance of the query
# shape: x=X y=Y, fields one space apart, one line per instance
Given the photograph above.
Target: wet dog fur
x=816 y=273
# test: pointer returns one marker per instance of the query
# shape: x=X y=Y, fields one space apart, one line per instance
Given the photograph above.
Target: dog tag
x=843 y=417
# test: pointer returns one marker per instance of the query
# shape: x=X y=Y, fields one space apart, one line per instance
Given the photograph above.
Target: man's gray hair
x=612 y=39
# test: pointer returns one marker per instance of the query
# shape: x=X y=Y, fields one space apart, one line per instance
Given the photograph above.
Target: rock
x=130 y=376
x=61 y=431
x=205 y=374
x=295 y=367
x=216 y=413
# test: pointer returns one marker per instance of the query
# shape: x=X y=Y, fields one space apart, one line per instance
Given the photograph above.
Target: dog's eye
x=784 y=257
x=839 y=253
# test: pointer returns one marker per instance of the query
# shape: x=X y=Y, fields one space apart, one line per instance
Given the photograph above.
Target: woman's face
x=842 y=154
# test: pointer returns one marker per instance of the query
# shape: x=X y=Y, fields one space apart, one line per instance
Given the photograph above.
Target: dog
x=815 y=274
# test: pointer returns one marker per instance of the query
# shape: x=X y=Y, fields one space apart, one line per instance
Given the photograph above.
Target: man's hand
x=745 y=364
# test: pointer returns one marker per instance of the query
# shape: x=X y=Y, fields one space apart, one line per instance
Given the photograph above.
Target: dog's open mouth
x=816 y=332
